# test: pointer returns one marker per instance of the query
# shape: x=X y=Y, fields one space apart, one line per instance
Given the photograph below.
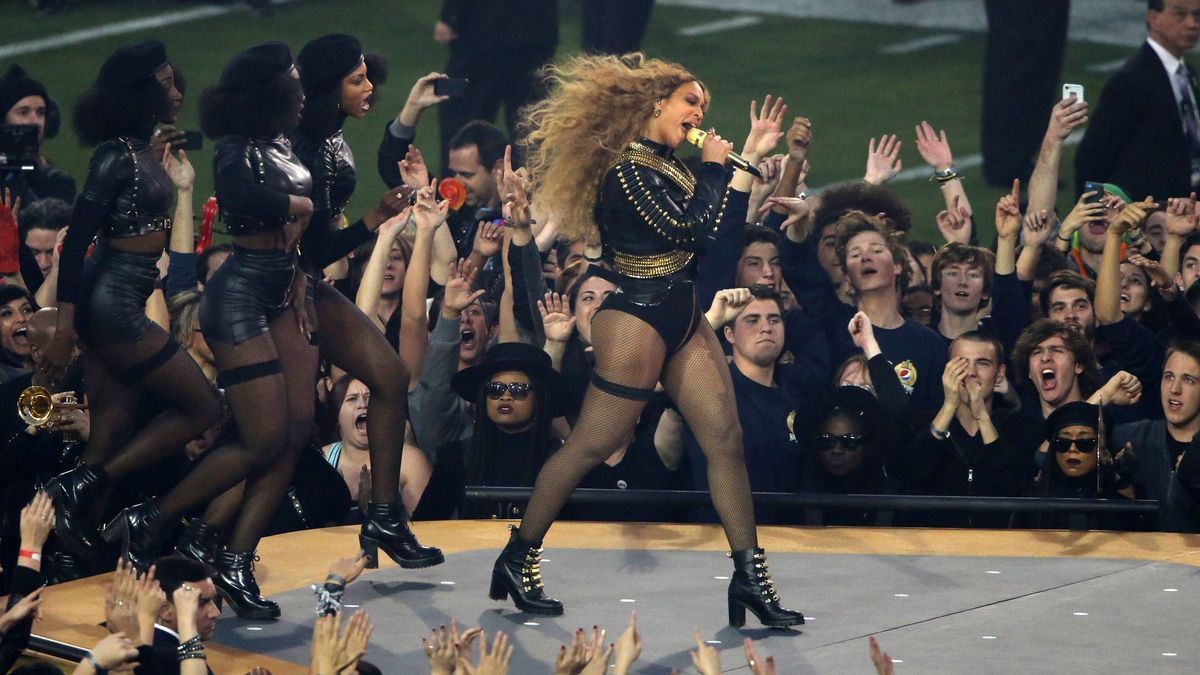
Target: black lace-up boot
x=751 y=588
x=386 y=527
x=71 y=492
x=235 y=582
x=136 y=529
x=518 y=573
x=199 y=542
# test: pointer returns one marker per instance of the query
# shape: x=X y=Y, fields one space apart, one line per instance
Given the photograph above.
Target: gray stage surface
x=934 y=614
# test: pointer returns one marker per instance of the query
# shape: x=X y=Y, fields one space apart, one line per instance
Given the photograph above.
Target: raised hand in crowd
x=880 y=659
x=493 y=660
x=1121 y=389
x=799 y=139
x=427 y=212
x=37 y=521
x=1168 y=286
x=420 y=98
x=115 y=653
x=954 y=223
x=334 y=649
x=186 y=600
x=726 y=306
x=705 y=658
x=1066 y=116
x=862 y=333
x=489 y=236
x=30 y=605
x=766 y=128
x=458 y=294
x=771 y=168
x=150 y=599
x=1132 y=216
x=934 y=147
x=1008 y=213
x=799 y=212
x=628 y=647
x=1084 y=212
x=120 y=602
x=557 y=321
x=883 y=159
x=599 y=655
x=346 y=570
x=1036 y=228
x=571 y=660
x=178 y=168
x=441 y=648
x=757 y=665
x=392 y=202
x=413 y=170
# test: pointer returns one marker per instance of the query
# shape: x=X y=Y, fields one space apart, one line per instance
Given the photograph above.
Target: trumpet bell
x=35 y=406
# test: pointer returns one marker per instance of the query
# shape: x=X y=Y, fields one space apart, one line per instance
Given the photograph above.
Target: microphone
x=696 y=137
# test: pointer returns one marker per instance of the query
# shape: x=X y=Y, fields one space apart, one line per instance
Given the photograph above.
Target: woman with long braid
x=617 y=169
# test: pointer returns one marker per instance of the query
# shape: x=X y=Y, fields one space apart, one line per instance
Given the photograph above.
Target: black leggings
x=270 y=381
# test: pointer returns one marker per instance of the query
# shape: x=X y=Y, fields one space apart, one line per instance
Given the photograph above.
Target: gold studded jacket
x=654 y=216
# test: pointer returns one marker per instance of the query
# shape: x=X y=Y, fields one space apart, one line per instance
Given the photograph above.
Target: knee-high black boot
x=235 y=582
x=751 y=588
x=71 y=492
x=517 y=572
x=386 y=527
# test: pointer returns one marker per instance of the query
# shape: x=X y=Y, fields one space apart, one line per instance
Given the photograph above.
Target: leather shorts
x=667 y=304
x=112 y=297
x=246 y=294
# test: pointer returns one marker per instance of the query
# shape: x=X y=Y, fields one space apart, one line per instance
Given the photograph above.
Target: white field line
x=711 y=27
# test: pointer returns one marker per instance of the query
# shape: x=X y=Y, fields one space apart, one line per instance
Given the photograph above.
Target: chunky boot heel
x=70 y=493
x=134 y=529
x=517 y=572
x=386 y=527
x=370 y=551
x=199 y=542
x=235 y=582
x=751 y=588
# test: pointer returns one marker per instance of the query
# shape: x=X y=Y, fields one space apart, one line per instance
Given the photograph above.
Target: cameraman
x=24 y=100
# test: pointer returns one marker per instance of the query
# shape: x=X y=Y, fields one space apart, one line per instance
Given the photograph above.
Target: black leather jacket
x=254 y=180
x=654 y=216
x=333 y=173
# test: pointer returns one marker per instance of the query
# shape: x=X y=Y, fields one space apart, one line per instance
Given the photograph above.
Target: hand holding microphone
x=713 y=148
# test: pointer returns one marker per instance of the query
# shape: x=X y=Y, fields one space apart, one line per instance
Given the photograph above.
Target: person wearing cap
x=515 y=393
x=127 y=203
x=256 y=318
x=339 y=81
x=23 y=100
x=1083 y=232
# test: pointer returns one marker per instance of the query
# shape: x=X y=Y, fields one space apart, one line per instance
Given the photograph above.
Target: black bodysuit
x=127 y=194
x=333 y=175
x=254 y=179
x=655 y=219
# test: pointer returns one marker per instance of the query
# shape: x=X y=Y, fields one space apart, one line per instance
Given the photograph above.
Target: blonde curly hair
x=597 y=106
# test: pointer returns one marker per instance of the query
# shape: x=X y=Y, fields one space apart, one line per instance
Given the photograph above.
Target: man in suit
x=1144 y=134
x=172 y=572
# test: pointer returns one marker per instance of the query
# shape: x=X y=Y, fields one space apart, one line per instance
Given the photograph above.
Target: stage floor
x=938 y=600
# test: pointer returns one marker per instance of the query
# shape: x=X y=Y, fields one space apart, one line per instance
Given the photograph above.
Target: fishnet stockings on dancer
x=627 y=353
x=270 y=381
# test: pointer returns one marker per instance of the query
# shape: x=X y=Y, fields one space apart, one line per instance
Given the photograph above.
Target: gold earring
x=657 y=112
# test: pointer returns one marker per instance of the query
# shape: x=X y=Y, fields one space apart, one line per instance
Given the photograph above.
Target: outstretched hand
x=1008 y=213
x=954 y=223
x=883 y=160
x=765 y=128
x=934 y=147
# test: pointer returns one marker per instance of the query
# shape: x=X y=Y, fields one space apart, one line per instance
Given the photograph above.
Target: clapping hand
x=883 y=160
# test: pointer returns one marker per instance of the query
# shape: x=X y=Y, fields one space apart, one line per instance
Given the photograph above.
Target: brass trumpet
x=38 y=409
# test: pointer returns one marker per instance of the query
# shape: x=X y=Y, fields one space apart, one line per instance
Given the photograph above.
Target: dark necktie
x=1187 y=107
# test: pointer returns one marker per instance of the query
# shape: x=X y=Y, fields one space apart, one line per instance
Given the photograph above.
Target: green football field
x=831 y=72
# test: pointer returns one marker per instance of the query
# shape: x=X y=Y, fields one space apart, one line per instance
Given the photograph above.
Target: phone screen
x=450 y=86
x=192 y=140
x=1098 y=188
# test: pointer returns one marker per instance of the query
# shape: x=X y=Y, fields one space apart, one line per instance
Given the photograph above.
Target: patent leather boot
x=235 y=582
x=71 y=492
x=199 y=542
x=517 y=572
x=751 y=588
x=135 y=529
x=386 y=527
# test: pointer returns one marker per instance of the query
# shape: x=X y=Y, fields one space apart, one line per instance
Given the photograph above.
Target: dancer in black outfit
x=256 y=317
x=655 y=218
x=126 y=203
x=338 y=83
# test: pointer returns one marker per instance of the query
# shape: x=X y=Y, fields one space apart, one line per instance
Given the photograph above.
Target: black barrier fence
x=813 y=505
x=55 y=649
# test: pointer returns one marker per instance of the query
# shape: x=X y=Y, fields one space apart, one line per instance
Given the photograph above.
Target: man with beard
x=1168 y=469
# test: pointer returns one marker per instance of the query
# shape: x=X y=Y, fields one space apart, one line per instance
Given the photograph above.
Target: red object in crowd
x=9 y=242
x=453 y=191
x=207 y=215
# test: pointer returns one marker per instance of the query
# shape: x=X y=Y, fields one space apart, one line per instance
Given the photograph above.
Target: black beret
x=326 y=60
x=126 y=66
x=16 y=85
x=1076 y=413
x=256 y=66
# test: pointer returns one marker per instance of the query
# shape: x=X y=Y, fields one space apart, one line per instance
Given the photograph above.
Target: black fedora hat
x=516 y=356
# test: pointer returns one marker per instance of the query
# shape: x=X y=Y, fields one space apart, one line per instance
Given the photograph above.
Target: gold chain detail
x=651 y=266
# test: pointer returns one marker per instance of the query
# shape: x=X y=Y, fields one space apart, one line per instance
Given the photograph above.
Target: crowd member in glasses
x=1164 y=446
x=517 y=394
x=970 y=448
x=848 y=454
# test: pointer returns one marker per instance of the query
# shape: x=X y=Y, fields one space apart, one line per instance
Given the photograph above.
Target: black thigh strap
x=610 y=387
x=314 y=339
x=253 y=371
x=138 y=371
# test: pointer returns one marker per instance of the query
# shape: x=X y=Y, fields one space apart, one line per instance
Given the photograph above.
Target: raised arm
x=1008 y=228
x=369 y=289
x=1108 y=277
x=1180 y=222
x=883 y=160
x=935 y=150
x=1067 y=115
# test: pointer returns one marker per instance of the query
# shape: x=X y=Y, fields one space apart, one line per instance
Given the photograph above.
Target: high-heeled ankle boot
x=70 y=492
x=136 y=529
x=235 y=582
x=751 y=588
x=518 y=573
x=386 y=527
x=199 y=542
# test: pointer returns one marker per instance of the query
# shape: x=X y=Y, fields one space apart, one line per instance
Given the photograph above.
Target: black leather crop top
x=127 y=179
x=254 y=180
x=333 y=175
x=654 y=215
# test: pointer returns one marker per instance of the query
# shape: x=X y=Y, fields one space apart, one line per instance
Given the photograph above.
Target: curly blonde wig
x=597 y=106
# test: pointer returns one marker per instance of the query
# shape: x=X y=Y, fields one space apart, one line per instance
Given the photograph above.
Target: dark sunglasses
x=849 y=442
x=518 y=390
x=1084 y=445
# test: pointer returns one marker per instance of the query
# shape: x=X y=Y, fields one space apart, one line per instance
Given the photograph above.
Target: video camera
x=18 y=147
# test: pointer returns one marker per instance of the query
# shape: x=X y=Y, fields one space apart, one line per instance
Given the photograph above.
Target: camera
x=18 y=147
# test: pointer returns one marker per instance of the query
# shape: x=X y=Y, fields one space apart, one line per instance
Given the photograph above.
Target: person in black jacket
x=338 y=82
x=127 y=205
x=23 y=100
x=655 y=218
x=1144 y=133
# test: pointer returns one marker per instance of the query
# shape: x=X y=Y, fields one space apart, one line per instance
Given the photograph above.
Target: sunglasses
x=1084 y=445
x=849 y=442
x=518 y=390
